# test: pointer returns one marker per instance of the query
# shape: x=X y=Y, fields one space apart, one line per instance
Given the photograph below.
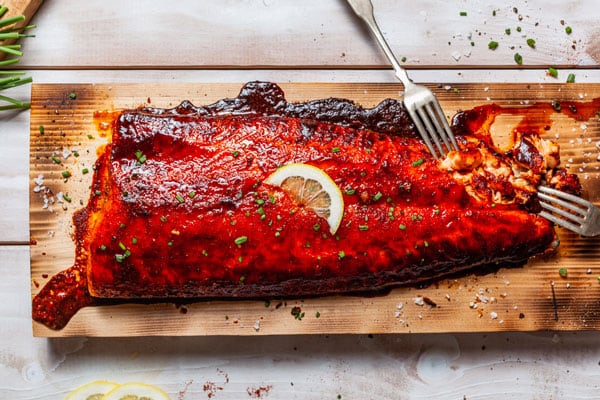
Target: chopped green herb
x=277 y=234
x=103 y=247
x=260 y=202
x=241 y=240
x=472 y=43
x=56 y=160
x=205 y=253
x=403 y=59
x=531 y=43
x=169 y=243
x=66 y=174
x=507 y=31
x=90 y=136
x=341 y=254
x=518 y=58
x=402 y=227
x=571 y=78
x=493 y=45
x=240 y=259
x=179 y=198
x=317 y=315
x=85 y=171
x=463 y=13
x=141 y=158
x=562 y=272
x=235 y=153
x=553 y=72
x=75 y=153
x=363 y=227
x=335 y=150
x=426 y=243
x=67 y=198
x=72 y=95
x=316 y=227
x=377 y=196
x=418 y=162
x=163 y=218
x=191 y=194
x=568 y=30
x=493 y=13
x=455 y=90
x=41 y=129
x=350 y=192
x=518 y=29
x=122 y=246
x=272 y=199
x=122 y=226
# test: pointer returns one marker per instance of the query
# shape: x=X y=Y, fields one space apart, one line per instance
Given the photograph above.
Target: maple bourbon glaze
x=175 y=188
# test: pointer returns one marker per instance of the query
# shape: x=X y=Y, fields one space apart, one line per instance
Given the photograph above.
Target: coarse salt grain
x=257 y=325
x=419 y=301
x=493 y=315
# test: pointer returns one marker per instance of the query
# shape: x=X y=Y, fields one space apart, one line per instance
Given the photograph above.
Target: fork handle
x=364 y=9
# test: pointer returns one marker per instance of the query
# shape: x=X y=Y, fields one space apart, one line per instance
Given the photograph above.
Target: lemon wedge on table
x=92 y=391
x=105 y=390
x=136 y=391
x=312 y=188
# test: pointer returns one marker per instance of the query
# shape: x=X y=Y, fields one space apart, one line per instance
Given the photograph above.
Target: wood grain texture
x=310 y=33
x=519 y=299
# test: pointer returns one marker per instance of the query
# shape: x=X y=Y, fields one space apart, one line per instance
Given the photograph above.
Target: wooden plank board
x=523 y=299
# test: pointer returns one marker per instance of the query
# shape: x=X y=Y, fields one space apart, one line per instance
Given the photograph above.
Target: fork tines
x=573 y=209
x=432 y=126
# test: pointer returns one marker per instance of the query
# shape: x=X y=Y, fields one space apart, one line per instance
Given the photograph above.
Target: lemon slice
x=312 y=188
x=136 y=391
x=92 y=391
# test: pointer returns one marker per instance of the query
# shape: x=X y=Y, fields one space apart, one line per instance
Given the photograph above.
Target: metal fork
x=576 y=214
x=422 y=105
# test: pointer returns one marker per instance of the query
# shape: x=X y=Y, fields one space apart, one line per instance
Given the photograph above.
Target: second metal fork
x=420 y=102
x=569 y=211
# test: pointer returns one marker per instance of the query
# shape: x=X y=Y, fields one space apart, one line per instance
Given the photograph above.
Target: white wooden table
x=288 y=41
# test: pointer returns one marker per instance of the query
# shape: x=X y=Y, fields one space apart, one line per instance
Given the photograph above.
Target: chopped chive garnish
x=191 y=194
x=85 y=171
x=240 y=240
x=553 y=72
x=103 y=247
x=235 y=153
x=518 y=29
x=571 y=78
x=507 y=31
x=568 y=30
x=179 y=198
x=66 y=174
x=418 y=162
x=56 y=160
x=363 y=227
x=66 y=198
x=341 y=254
x=377 y=196
x=562 y=272
x=41 y=129
x=556 y=105
x=350 y=192
x=72 y=95
x=141 y=158
x=531 y=43
x=402 y=227
x=492 y=45
x=518 y=58
x=335 y=150
x=316 y=227
x=463 y=13
x=260 y=202
x=163 y=218
x=122 y=246
x=90 y=136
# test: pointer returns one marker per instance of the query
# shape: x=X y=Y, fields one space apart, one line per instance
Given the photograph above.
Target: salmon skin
x=177 y=188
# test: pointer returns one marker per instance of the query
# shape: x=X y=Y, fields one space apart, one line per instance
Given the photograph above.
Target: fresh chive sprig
x=9 y=33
